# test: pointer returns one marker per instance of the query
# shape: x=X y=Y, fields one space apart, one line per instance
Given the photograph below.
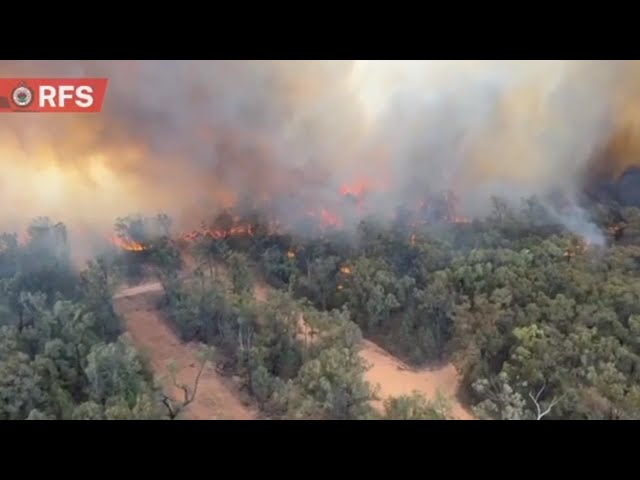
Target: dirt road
x=216 y=398
x=394 y=378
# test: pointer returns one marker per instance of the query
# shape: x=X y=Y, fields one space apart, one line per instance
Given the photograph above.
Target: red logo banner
x=52 y=95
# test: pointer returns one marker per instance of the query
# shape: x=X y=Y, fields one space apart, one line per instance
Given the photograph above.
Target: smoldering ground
x=189 y=137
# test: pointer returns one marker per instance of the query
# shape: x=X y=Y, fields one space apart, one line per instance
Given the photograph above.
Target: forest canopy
x=540 y=323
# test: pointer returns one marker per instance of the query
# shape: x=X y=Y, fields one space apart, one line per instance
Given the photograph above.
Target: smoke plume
x=187 y=137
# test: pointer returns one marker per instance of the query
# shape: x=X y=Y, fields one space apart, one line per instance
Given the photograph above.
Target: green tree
x=115 y=375
x=241 y=277
x=416 y=407
x=98 y=283
x=168 y=263
x=332 y=386
x=319 y=282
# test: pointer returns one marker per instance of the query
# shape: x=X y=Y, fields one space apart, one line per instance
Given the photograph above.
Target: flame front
x=229 y=224
x=219 y=233
x=128 y=245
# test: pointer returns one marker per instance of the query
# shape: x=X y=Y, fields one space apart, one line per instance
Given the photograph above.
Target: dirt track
x=394 y=378
x=216 y=398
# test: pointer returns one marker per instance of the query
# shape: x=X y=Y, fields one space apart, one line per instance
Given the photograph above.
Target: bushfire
x=218 y=233
x=442 y=208
x=127 y=244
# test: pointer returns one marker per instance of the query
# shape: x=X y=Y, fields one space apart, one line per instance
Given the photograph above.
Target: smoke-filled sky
x=183 y=136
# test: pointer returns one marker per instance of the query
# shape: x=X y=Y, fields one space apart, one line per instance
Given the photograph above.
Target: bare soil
x=217 y=398
x=394 y=378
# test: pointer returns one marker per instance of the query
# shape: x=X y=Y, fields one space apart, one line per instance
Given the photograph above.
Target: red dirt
x=216 y=398
x=261 y=292
x=394 y=378
x=138 y=290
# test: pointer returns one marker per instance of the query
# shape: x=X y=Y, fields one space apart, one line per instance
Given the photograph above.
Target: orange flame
x=357 y=189
x=346 y=270
x=128 y=245
x=330 y=219
x=218 y=233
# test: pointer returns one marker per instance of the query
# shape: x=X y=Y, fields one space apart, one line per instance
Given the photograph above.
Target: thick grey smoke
x=511 y=129
x=186 y=136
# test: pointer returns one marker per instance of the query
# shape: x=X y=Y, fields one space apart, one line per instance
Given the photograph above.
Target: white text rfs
x=50 y=96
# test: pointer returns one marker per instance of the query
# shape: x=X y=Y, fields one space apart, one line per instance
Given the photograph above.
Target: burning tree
x=137 y=233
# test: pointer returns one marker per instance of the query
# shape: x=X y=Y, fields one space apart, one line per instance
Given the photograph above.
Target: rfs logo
x=22 y=96
x=49 y=95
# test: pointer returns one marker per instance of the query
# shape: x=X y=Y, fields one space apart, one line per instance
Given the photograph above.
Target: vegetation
x=540 y=324
x=62 y=353
x=294 y=368
x=416 y=407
